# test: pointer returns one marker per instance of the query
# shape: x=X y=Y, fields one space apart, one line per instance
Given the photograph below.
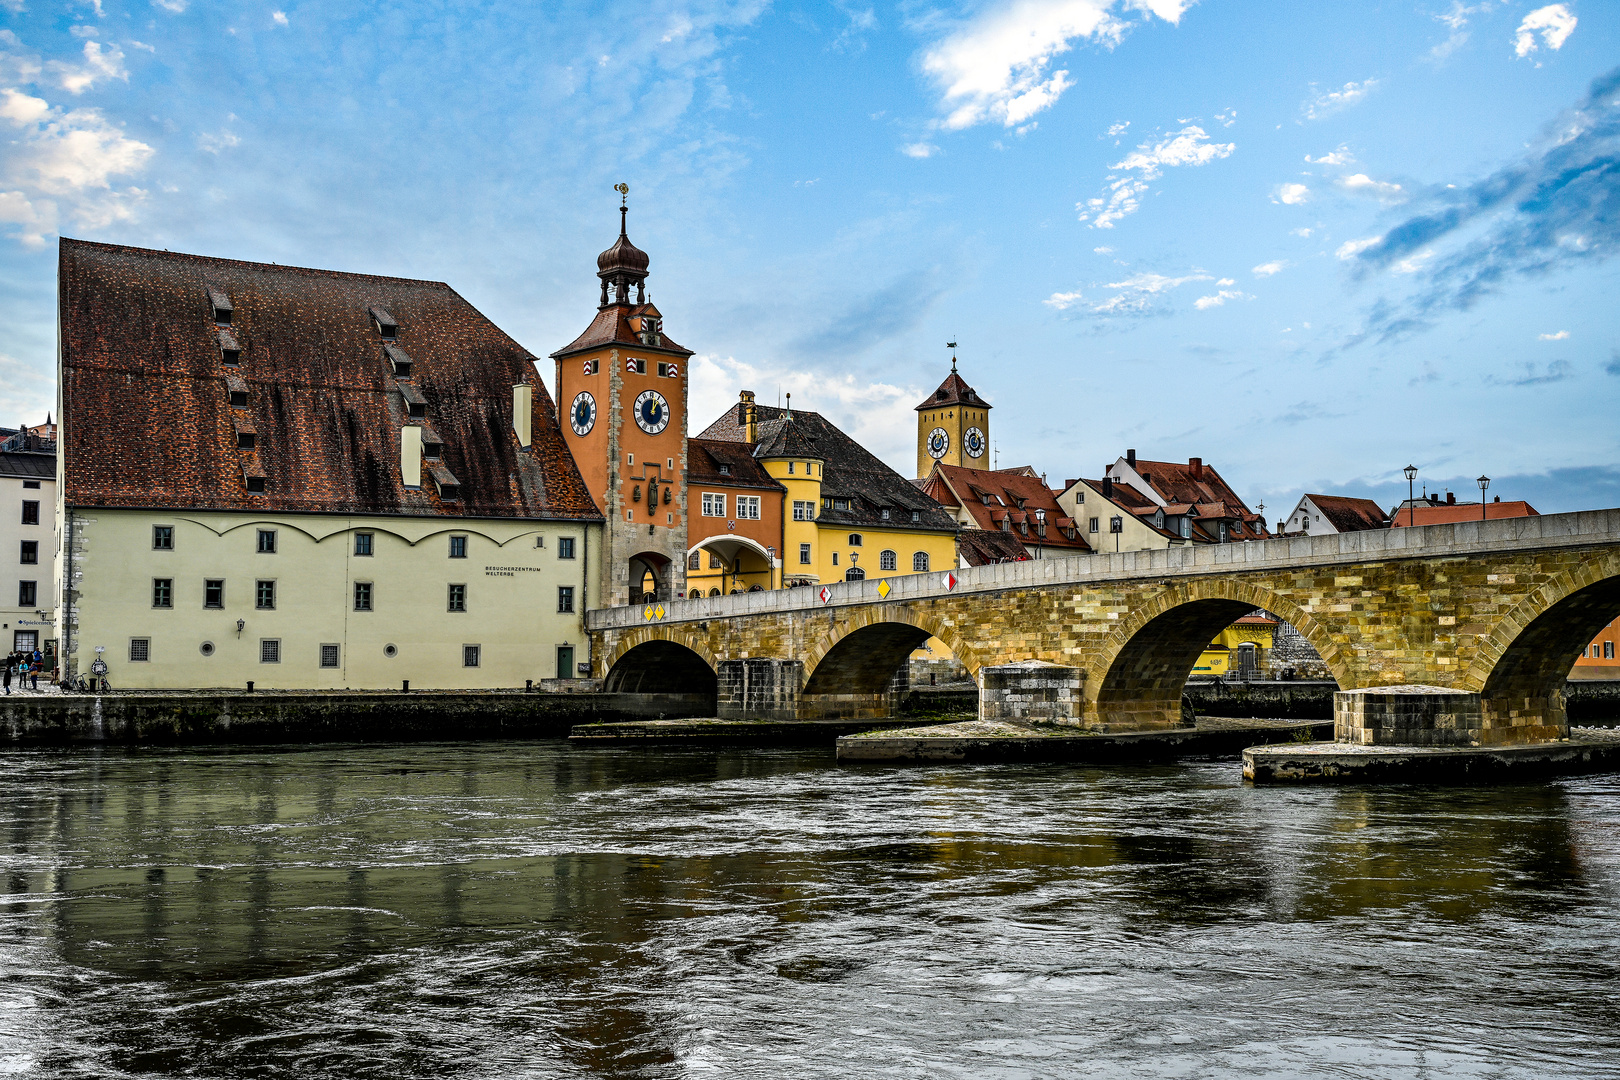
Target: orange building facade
x=1598 y=660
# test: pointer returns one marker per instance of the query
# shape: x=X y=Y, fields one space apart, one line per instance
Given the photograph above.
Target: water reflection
x=540 y=910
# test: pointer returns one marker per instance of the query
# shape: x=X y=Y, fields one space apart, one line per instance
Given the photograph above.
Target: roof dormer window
x=230 y=350
x=415 y=403
x=725 y=470
x=237 y=391
x=398 y=360
x=385 y=324
x=221 y=306
x=432 y=445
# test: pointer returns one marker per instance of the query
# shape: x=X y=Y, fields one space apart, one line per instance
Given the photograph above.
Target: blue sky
x=1307 y=242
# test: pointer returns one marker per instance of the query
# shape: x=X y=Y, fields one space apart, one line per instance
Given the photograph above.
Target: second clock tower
x=622 y=387
x=953 y=427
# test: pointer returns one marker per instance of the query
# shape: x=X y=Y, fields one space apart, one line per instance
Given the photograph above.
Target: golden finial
x=624 y=192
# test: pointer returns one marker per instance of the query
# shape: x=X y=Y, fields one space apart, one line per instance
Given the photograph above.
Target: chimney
x=1451 y=498
x=748 y=417
x=523 y=413
x=410 y=456
x=1108 y=486
x=1130 y=458
x=1195 y=465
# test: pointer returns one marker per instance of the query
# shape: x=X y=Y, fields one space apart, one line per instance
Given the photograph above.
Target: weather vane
x=951 y=345
x=624 y=193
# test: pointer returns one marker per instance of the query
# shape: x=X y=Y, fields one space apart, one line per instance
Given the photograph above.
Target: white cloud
x=1341 y=156
x=919 y=150
x=1063 y=300
x=1413 y=262
x=1301 y=231
x=83 y=30
x=1331 y=101
x=215 y=141
x=1293 y=194
x=173 y=7
x=1270 y=268
x=1351 y=248
x=997 y=68
x=1227 y=118
x=1362 y=184
x=1117 y=130
x=62 y=164
x=1122 y=194
x=280 y=18
x=1226 y=281
x=98 y=64
x=1137 y=292
x=1204 y=303
x=1103 y=250
x=1555 y=22
x=1560 y=336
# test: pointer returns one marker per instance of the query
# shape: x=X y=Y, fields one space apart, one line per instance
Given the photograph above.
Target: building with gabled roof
x=1320 y=515
x=303 y=478
x=1451 y=511
x=953 y=426
x=1114 y=517
x=1196 y=500
x=735 y=536
x=1016 y=502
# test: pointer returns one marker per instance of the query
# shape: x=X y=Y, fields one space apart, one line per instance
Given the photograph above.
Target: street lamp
x=1411 y=506
x=1483 y=482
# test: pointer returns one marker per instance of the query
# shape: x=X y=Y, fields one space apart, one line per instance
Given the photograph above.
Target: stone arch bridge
x=1498 y=608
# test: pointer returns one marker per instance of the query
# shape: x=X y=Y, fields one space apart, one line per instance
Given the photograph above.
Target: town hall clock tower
x=953 y=427
x=621 y=386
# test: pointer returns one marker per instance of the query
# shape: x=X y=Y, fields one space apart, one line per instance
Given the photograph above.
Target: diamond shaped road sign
x=950 y=581
x=883 y=588
x=646 y=613
x=825 y=594
x=658 y=613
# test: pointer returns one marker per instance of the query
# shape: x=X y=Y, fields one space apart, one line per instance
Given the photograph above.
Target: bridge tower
x=953 y=426
x=621 y=386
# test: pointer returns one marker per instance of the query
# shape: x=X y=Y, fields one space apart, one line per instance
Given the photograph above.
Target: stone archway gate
x=1498 y=608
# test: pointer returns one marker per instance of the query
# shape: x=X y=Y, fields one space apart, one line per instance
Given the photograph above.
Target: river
x=538 y=910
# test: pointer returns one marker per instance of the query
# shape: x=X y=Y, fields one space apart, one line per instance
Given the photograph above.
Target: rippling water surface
x=539 y=910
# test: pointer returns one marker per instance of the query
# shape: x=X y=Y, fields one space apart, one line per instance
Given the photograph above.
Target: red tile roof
x=953 y=391
x=1201 y=485
x=1446 y=514
x=1350 y=515
x=980 y=547
x=612 y=326
x=704 y=457
x=148 y=420
x=1014 y=496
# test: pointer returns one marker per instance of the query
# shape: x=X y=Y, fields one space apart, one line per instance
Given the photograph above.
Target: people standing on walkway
x=6 y=678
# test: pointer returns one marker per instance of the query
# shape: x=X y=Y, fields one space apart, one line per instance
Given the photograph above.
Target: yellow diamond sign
x=883 y=588
x=646 y=613
x=658 y=613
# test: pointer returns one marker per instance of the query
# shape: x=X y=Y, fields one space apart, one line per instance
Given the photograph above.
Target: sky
x=1309 y=243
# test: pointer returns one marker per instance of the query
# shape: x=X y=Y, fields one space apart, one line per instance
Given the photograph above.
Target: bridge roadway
x=1498 y=608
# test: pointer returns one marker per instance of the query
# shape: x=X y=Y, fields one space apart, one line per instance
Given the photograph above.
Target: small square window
x=362 y=543
x=269 y=650
x=163 y=592
x=255 y=485
x=565 y=547
x=214 y=593
x=30 y=512
x=458 y=598
x=27 y=593
x=246 y=440
x=331 y=656
x=140 y=650
x=458 y=547
x=565 y=598
x=267 y=542
x=30 y=552
x=804 y=554
x=239 y=399
x=264 y=595
x=362 y=596
x=469 y=655
x=163 y=538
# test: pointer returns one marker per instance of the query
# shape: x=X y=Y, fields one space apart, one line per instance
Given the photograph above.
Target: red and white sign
x=950 y=581
x=674 y=371
x=825 y=594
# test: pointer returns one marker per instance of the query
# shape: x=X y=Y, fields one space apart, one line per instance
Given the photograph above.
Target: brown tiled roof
x=1014 y=496
x=953 y=391
x=980 y=547
x=849 y=472
x=1201 y=485
x=1351 y=515
x=705 y=456
x=148 y=420
x=612 y=327
x=1448 y=513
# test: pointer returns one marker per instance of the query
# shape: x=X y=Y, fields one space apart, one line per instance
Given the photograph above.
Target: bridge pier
x=1418 y=715
x=1032 y=691
x=764 y=688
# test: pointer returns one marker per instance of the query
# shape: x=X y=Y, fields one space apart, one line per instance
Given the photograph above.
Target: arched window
x=854 y=573
x=854 y=539
x=714 y=592
x=756 y=588
x=888 y=560
x=919 y=561
x=694 y=561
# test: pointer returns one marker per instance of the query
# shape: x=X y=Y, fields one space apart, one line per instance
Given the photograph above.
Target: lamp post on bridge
x=1411 y=505
x=1483 y=482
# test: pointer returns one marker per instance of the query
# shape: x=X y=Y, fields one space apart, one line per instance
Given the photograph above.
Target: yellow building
x=845 y=515
x=953 y=427
x=1239 y=649
x=307 y=480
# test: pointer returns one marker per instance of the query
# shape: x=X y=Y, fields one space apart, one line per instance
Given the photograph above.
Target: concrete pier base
x=1032 y=691
x=978 y=742
x=1587 y=750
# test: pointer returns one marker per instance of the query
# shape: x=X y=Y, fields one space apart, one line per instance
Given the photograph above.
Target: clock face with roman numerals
x=973 y=442
x=939 y=441
x=583 y=415
x=652 y=412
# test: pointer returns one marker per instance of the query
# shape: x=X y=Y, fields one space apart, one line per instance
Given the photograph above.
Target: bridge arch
x=659 y=660
x=867 y=645
x=1149 y=655
x=1524 y=660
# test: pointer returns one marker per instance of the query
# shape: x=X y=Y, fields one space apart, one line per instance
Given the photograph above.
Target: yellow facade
x=837 y=553
x=1216 y=659
x=955 y=421
x=803 y=485
x=427 y=596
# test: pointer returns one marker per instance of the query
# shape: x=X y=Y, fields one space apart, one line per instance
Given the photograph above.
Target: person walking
x=6 y=678
x=33 y=675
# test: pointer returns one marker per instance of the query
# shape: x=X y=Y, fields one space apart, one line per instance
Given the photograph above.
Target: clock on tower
x=953 y=426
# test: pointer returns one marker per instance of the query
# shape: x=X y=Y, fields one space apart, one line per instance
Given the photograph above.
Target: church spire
x=623 y=264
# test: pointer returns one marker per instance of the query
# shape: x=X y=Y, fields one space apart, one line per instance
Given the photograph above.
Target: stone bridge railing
x=1470 y=538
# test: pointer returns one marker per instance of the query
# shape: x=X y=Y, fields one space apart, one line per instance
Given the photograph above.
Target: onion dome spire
x=623 y=264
